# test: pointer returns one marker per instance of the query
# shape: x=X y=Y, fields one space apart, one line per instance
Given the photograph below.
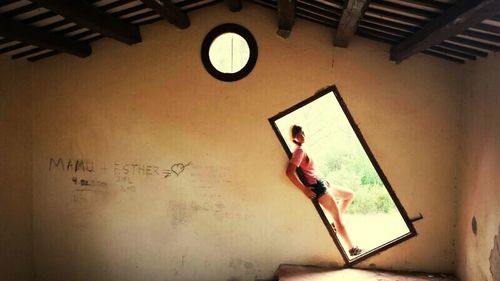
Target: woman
x=316 y=187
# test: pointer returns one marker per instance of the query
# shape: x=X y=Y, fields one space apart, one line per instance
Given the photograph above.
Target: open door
x=376 y=219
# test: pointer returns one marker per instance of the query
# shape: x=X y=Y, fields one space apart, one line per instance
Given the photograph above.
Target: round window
x=229 y=52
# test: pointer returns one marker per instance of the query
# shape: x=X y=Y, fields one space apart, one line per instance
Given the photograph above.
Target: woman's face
x=300 y=137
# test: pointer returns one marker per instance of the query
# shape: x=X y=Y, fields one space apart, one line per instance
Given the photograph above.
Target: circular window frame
x=216 y=32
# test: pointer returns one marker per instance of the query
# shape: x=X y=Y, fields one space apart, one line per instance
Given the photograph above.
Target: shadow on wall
x=495 y=257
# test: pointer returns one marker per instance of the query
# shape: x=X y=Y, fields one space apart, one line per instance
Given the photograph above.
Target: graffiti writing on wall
x=71 y=165
x=87 y=175
x=119 y=169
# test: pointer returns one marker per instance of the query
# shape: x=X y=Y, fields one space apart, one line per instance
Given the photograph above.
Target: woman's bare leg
x=344 y=195
x=328 y=202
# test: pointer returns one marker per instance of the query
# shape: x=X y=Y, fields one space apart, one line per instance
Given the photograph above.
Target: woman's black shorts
x=319 y=187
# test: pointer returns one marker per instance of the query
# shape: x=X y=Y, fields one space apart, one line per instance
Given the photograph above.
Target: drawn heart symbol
x=178 y=168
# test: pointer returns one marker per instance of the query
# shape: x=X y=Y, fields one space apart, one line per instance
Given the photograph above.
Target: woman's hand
x=309 y=193
x=292 y=175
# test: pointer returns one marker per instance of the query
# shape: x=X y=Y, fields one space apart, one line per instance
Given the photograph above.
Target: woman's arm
x=292 y=175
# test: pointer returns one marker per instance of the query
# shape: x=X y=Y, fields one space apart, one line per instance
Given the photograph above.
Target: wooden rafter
x=87 y=15
x=454 y=21
x=464 y=49
x=286 y=17
x=27 y=34
x=167 y=10
x=351 y=15
x=474 y=43
x=6 y=2
x=443 y=56
x=234 y=5
x=452 y=52
x=429 y=6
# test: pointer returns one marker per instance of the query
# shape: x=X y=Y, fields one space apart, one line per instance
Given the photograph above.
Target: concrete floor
x=312 y=273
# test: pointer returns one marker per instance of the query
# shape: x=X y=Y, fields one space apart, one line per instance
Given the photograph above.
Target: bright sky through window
x=229 y=53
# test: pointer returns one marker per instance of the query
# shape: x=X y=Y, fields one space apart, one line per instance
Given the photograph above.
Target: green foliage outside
x=338 y=154
x=356 y=172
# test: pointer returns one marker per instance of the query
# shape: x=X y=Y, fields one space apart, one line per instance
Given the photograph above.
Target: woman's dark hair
x=295 y=130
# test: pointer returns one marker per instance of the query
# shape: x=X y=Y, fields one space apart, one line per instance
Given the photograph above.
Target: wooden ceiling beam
x=27 y=53
x=391 y=24
x=21 y=10
x=286 y=17
x=6 y=2
x=465 y=14
x=443 y=56
x=364 y=33
x=87 y=15
x=463 y=49
x=487 y=28
x=482 y=36
x=474 y=43
x=395 y=18
x=433 y=7
x=319 y=8
x=234 y=5
x=452 y=52
x=321 y=19
x=351 y=15
x=167 y=10
x=30 y=35
x=402 y=10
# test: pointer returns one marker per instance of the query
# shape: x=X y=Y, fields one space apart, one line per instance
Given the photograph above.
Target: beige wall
x=230 y=214
x=409 y=116
x=479 y=165
x=15 y=174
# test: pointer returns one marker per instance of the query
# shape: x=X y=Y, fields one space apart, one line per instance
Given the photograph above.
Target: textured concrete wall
x=479 y=208
x=109 y=128
x=15 y=173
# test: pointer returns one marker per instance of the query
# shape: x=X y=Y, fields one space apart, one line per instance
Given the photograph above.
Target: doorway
x=376 y=219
